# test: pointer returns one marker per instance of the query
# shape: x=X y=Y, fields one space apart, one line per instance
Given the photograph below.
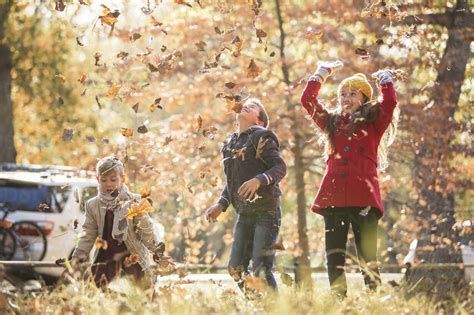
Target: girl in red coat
x=356 y=134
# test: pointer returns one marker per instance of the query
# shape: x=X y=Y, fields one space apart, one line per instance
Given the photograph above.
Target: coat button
x=345 y=161
x=343 y=174
x=346 y=148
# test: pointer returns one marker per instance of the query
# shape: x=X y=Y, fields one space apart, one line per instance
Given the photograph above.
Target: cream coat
x=140 y=241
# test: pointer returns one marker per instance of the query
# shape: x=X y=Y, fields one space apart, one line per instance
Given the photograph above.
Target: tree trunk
x=7 y=151
x=302 y=263
x=437 y=241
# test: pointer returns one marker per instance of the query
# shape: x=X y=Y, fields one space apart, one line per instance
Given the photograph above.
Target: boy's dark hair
x=263 y=116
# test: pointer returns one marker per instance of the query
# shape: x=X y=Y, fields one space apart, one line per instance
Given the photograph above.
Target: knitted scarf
x=119 y=205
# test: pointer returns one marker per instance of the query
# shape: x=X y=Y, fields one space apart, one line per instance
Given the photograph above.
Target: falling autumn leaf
x=97 y=56
x=135 y=36
x=155 y=22
x=261 y=34
x=135 y=107
x=60 y=5
x=61 y=77
x=199 y=123
x=361 y=52
x=217 y=30
x=98 y=102
x=108 y=17
x=200 y=45
x=155 y=105
x=230 y=85
x=82 y=78
x=253 y=70
x=114 y=89
x=67 y=134
x=142 y=129
x=126 y=132
x=122 y=55
x=183 y=3
x=313 y=33
x=79 y=42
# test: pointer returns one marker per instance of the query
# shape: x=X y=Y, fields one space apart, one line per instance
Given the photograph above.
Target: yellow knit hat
x=359 y=82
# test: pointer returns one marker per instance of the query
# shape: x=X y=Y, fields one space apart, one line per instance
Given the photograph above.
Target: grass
x=211 y=298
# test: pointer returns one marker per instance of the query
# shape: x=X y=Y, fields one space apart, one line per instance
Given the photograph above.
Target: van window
x=29 y=197
x=87 y=193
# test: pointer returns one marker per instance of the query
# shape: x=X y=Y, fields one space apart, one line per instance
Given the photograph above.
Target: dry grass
x=211 y=298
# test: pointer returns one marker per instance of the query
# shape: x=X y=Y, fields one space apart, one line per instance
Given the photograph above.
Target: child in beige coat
x=123 y=238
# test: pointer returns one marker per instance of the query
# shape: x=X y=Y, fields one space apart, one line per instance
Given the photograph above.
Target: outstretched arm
x=389 y=99
x=309 y=97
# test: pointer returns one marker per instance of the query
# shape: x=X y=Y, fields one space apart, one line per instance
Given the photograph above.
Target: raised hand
x=326 y=69
x=387 y=76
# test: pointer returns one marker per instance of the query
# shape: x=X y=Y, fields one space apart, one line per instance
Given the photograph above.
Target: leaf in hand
x=100 y=243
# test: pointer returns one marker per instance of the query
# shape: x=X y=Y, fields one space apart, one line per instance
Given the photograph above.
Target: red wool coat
x=350 y=178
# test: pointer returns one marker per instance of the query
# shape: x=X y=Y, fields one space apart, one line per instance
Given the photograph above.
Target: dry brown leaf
x=97 y=56
x=200 y=45
x=183 y=3
x=260 y=34
x=230 y=85
x=155 y=22
x=79 y=42
x=122 y=54
x=135 y=107
x=260 y=147
x=253 y=70
x=60 y=6
x=135 y=36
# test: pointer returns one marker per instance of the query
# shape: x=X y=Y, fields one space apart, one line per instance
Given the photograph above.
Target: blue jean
x=254 y=235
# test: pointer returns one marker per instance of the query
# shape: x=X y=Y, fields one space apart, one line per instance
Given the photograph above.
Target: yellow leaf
x=313 y=33
x=141 y=208
x=100 y=243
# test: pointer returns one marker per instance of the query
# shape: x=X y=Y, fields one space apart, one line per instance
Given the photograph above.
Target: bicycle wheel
x=30 y=240
x=7 y=244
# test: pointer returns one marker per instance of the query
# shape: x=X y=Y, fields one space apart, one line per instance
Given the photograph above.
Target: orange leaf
x=126 y=132
x=253 y=70
x=100 y=243
x=114 y=89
